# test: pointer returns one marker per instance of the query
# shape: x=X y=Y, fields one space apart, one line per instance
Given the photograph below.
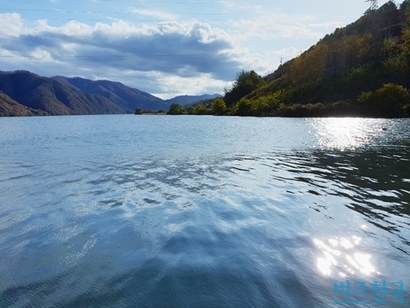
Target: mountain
x=190 y=99
x=129 y=99
x=25 y=93
x=52 y=96
x=9 y=107
x=362 y=69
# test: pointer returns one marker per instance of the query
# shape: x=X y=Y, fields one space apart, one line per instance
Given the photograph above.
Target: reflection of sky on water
x=345 y=133
x=341 y=256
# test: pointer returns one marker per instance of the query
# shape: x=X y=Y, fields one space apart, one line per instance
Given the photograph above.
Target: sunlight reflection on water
x=345 y=133
x=342 y=256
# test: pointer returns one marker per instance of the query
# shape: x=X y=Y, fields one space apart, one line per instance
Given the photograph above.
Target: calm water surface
x=161 y=211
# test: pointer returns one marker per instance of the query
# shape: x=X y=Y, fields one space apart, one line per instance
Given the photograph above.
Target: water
x=191 y=211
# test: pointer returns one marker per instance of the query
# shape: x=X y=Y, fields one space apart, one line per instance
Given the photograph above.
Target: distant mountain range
x=190 y=99
x=23 y=93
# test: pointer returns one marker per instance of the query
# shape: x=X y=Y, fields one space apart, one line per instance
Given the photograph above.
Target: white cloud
x=328 y=26
x=41 y=54
x=167 y=47
x=11 y=25
x=155 y=14
x=288 y=53
x=169 y=57
x=269 y=27
x=173 y=85
x=228 y=3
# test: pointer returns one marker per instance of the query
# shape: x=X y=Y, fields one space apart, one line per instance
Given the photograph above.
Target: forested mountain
x=361 y=69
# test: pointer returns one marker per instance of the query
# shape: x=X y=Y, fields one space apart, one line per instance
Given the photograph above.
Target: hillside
x=9 y=107
x=361 y=69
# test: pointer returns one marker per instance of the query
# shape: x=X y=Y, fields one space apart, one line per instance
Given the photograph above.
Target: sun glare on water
x=344 y=133
x=341 y=256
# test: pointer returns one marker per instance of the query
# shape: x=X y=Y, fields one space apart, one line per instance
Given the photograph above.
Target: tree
x=245 y=83
x=176 y=109
x=200 y=109
x=190 y=110
x=244 y=107
x=218 y=106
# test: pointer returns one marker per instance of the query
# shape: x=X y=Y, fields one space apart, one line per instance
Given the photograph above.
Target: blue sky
x=166 y=48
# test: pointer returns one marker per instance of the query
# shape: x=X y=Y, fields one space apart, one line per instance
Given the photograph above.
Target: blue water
x=202 y=211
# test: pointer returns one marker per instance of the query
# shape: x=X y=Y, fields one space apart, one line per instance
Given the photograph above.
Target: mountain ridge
x=25 y=93
x=126 y=97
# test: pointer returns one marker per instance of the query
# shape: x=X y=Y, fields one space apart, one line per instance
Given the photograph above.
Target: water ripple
x=193 y=224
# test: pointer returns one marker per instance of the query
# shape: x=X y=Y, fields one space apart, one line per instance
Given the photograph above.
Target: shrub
x=388 y=101
x=218 y=106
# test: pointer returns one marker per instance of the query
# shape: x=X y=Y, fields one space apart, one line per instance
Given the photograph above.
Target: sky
x=166 y=48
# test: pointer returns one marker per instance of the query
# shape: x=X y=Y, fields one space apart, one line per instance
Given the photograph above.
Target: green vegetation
x=390 y=100
x=140 y=111
x=245 y=83
x=200 y=109
x=218 y=106
x=203 y=107
x=362 y=69
x=176 y=109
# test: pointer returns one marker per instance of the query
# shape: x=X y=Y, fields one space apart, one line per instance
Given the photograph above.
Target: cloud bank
x=167 y=58
x=185 y=50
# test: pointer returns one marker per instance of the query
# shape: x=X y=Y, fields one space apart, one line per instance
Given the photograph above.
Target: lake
x=203 y=211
